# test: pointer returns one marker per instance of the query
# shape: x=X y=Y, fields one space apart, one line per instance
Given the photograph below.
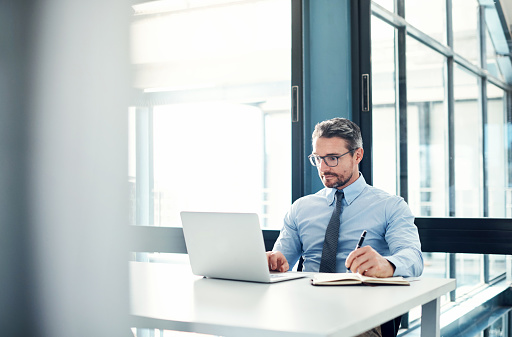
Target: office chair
x=390 y=329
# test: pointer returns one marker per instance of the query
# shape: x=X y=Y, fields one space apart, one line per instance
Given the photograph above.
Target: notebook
x=341 y=279
x=229 y=246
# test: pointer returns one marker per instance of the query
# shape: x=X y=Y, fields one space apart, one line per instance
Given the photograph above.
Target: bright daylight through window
x=210 y=128
x=455 y=119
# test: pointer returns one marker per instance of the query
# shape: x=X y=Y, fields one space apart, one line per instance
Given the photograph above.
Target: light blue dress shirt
x=387 y=218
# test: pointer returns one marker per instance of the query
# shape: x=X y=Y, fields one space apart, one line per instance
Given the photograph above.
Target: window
x=465 y=29
x=387 y=4
x=468 y=145
x=211 y=123
x=385 y=152
x=454 y=123
x=492 y=59
x=426 y=126
x=496 y=152
x=429 y=17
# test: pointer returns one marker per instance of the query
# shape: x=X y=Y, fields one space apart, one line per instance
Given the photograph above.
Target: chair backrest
x=158 y=239
x=465 y=235
x=446 y=235
x=172 y=240
x=450 y=235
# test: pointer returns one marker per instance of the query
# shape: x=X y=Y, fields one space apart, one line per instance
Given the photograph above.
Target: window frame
x=361 y=11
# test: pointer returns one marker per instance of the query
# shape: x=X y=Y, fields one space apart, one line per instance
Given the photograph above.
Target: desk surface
x=170 y=297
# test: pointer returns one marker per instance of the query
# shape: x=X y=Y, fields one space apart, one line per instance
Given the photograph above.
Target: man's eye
x=331 y=158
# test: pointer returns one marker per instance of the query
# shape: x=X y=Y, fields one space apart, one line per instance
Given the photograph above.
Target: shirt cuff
x=399 y=271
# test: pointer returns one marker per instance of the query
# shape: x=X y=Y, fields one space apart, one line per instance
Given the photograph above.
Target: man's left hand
x=366 y=261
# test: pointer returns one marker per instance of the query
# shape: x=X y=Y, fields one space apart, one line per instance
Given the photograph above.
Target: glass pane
x=465 y=23
x=217 y=84
x=387 y=4
x=496 y=151
x=435 y=267
x=497 y=329
x=469 y=272
x=132 y=166
x=468 y=145
x=208 y=168
x=492 y=64
x=426 y=130
x=428 y=16
x=497 y=265
x=383 y=104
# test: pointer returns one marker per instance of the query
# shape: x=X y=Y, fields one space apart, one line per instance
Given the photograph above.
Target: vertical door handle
x=295 y=103
x=365 y=92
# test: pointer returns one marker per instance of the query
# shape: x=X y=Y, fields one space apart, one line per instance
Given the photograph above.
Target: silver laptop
x=229 y=246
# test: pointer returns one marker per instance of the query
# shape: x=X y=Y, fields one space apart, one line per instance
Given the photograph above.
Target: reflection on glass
x=496 y=151
x=465 y=23
x=492 y=63
x=384 y=110
x=428 y=16
x=496 y=157
x=468 y=145
x=426 y=130
x=497 y=329
x=132 y=216
x=217 y=83
x=469 y=272
x=497 y=265
x=436 y=266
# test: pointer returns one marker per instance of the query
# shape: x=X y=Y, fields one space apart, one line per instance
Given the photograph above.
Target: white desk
x=170 y=297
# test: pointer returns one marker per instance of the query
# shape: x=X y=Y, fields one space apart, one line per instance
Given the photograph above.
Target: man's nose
x=323 y=166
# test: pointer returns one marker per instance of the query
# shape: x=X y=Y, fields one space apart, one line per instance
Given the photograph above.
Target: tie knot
x=339 y=195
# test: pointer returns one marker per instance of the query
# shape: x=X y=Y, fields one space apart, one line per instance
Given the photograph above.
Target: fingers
x=366 y=261
x=366 y=268
x=359 y=258
x=277 y=261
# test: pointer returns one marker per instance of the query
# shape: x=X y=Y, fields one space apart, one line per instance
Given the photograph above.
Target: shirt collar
x=351 y=192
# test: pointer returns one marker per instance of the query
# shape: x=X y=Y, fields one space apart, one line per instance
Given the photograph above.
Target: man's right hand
x=277 y=261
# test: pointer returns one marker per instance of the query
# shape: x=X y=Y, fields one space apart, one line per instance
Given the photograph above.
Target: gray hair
x=342 y=128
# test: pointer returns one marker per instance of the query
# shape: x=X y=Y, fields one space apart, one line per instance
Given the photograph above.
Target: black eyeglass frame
x=313 y=159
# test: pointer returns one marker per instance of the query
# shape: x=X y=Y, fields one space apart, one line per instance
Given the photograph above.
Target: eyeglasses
x=330 y=161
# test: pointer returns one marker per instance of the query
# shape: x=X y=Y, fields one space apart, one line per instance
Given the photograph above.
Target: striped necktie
x=330 y=249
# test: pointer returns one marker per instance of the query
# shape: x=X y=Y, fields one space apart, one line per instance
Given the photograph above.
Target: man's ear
x=359 y=154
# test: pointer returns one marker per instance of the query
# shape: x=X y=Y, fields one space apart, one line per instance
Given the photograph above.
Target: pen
x=361 y=239
x=359 y=243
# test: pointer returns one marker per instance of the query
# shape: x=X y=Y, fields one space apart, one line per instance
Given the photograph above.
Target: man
x=391 y=246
